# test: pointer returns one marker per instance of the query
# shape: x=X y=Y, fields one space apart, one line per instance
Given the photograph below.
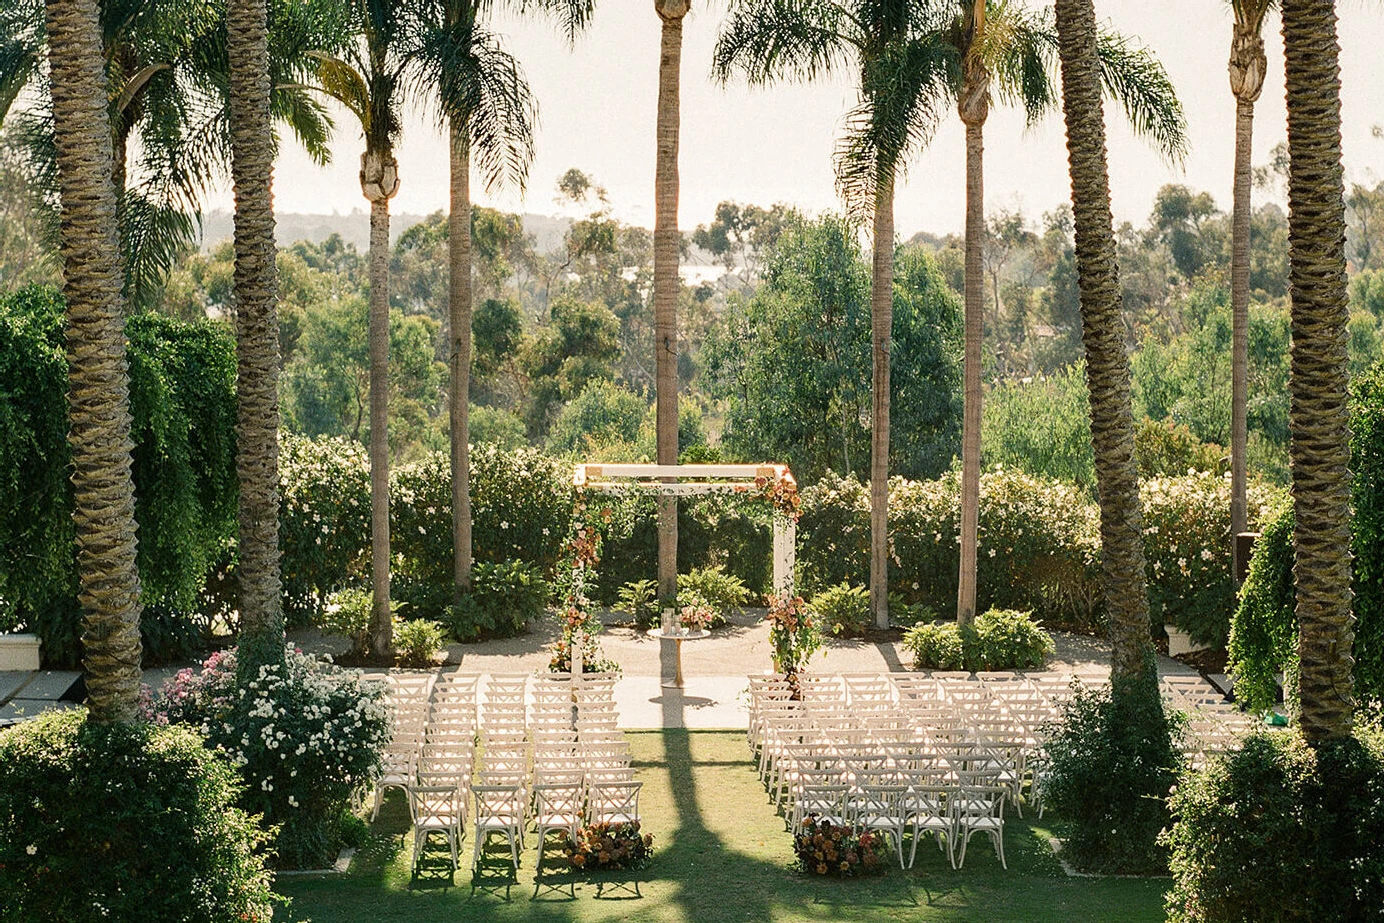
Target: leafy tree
x=792 y=361
x=740 y=235
x=580 y=345
x=602 y=415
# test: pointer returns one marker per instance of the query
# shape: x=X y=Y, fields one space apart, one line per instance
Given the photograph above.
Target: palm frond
x=905 y=93
x=1021 y=54
x=796 y=40
x=345 y=84
x=571 y=16
x=21 y=48
x=1137 y=80
x=154 y=237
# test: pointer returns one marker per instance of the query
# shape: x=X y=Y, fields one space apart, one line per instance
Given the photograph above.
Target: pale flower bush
x=304 y=735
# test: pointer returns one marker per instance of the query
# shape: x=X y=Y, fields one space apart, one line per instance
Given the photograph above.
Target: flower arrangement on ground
x=793 y=636
x=304 y=734
x=824 y=848
x=610 y=846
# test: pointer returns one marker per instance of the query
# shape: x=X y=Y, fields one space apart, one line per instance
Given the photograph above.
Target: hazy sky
x=775 y=145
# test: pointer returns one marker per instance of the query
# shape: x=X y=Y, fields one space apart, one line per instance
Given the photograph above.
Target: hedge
x=182 y=399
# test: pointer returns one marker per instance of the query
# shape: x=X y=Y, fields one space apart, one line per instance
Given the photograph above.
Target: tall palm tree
x=167 y=68
x=902 y=86
x=257 y=336
x=490 y=116
x=98 y=396
x=1107 y=363
x=1247 y=67
x=667 y=244
x=1319 y=448
x=1000 y=44
x=369 y=80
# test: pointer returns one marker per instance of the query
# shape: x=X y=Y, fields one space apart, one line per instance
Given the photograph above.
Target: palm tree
x=1320 y=447
x=1107 y=364
x=490 y=114
x=902 y=85
x=257 y=336
x=1247 y=67
x=1000 y=44
x=667 y=244
x=368 y=80
x=167 y=66
x=98 y=397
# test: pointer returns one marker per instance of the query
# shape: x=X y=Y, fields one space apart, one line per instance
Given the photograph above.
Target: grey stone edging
x=340 y=867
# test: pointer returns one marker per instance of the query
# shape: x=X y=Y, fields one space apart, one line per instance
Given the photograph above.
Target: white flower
x=31 y=849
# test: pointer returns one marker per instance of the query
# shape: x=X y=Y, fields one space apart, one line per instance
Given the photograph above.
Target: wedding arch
x=773 y=484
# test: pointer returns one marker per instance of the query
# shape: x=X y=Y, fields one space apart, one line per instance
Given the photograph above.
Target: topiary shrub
x=1111 y=760
x=1277 y=830
x=843 y=610
x=305 y=735
x=502 y=600
x=124 y=822
x=1000 y=639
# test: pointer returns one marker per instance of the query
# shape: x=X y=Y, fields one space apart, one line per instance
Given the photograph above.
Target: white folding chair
x=499 y=809
x=613 y=802
x=979 y=809
x=435 y=809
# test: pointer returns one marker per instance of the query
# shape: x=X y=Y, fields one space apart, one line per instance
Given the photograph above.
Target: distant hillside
x=354 y=228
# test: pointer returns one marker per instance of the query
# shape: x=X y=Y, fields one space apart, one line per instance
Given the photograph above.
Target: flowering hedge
x=1187 y=551
x=305 y=735
x=1038 y=543
x=521 y=509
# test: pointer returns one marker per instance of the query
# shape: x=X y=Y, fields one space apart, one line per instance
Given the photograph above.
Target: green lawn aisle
x=721 y=854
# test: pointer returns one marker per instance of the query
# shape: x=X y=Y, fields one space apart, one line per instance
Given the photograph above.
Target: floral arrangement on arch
x=780 y=493
x=794 y=635
x=610 y=846
x=583 y=550
x=824 y=848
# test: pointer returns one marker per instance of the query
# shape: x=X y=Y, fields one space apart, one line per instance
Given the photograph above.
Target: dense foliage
x=124 y=822
x=1000 y=639
x=793 y=360
x=1277 y=831
x=182 y=397
x=503 y=600
x=1111 y=760
x=843 y=610
x=1264 y=636
x=304 y=734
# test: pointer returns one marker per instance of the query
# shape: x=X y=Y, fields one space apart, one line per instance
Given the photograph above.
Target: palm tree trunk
x=1107 y=364
x=1319 y=448
x=98 y=375
x=257 y=338
x=379 y=167
x=881 y=331
x=970 y=420
x=459 y=308
x=666 y=241
x=1239 y=309
x=1247 y=67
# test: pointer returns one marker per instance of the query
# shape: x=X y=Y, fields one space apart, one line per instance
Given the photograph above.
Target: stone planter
x=1179 y=642
x=18 y=652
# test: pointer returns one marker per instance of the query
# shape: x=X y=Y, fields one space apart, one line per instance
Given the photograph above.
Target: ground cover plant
x=723 y=855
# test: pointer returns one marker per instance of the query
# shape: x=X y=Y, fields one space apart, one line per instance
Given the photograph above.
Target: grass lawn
x=720 y=854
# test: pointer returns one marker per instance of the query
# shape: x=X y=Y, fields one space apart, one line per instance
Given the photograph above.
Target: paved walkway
x=714 y=669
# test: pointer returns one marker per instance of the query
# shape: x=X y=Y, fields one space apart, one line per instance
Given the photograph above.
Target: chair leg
x=476 y=850
x=514 y=850
x=998 y=837
x=379 y=796
x=419 y=838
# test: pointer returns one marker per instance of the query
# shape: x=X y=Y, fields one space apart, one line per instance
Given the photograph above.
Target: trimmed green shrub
x=418 y=642
x=503 y=599
x=1187 y=552
x=124 y=822
x=1000 y=639
x=1112 y=758
x=1263 y=634
x=348 y=615
x=1278 y=831
x=182 y=400
x=1164 y=448
x=843 y=610
x=306 y=735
